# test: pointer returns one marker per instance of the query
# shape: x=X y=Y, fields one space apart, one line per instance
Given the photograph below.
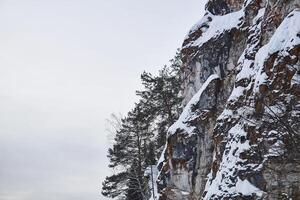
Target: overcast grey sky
x=65 y=65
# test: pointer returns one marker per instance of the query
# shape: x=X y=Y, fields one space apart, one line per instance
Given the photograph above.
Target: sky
x=65 y=66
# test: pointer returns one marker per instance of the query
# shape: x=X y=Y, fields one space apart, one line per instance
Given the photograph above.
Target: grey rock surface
x=239 y=135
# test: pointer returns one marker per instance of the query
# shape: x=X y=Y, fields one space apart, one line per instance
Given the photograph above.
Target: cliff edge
x=238 y=136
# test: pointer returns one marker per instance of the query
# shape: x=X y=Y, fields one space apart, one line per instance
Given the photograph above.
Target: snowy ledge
x=286 y=36
x=213 y=26
x=187 y=112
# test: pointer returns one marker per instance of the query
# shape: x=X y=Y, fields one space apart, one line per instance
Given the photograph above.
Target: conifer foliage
x=139 y=140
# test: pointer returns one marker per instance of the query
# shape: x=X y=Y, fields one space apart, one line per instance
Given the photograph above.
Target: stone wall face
x=239 y=135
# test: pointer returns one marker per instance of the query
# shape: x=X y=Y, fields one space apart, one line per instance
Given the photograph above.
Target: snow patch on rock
x=187 y=113
x=286 y=36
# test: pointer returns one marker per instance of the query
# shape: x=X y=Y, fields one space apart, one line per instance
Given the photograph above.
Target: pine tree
x=112 y=185
x=163 y=96
x=142 y=132
x=128 y=156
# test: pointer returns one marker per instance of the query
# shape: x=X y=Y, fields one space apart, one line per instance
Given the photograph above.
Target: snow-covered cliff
x=238 y=136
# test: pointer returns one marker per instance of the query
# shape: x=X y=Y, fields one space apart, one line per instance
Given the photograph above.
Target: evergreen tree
x=128 y=156
x=135 y=144
x=163 y=96
x=137 y=184
x=112 y=185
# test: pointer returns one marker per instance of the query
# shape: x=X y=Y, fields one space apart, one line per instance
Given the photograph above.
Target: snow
x=219 y=186
x=246 y=188
x=162 y=156
x=216 y=26
x=247 y=2
x=197 y=25
x=161 y=160
x=236 y=93
x=187 y=113
x=226 y=183
x=185 y=193
x=259 y=15
x=225 y=114
x=247 y=70
x=276 y=149
x=285 y=37
x=275 y=111
x=295 y=79
x=204 y=20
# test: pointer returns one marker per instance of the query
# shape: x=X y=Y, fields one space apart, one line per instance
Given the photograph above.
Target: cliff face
x=239 y=134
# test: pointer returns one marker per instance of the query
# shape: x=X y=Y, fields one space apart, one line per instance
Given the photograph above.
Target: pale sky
x=65 y=65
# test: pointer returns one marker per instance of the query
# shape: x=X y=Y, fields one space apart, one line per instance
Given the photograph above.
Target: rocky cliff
x=238 y=136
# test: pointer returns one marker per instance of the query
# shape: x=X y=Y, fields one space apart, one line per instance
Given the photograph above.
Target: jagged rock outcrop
x=239 y=134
